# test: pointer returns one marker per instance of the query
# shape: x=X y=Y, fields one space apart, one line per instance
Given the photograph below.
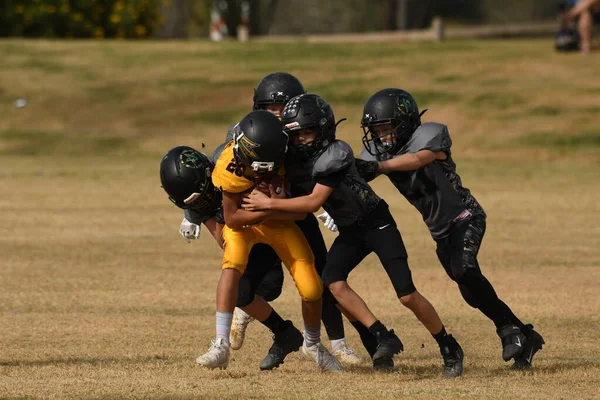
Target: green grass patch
x=545 y=111
x=44 y=65
x=226 y=117
x=43 y=143
x=113 y=92
x=449 y=79
x=496 y=101
x=580 y=140
x=429 y=96
x=196 y=81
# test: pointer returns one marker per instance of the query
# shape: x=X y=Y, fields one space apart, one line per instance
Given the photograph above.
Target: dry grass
x=102 y=299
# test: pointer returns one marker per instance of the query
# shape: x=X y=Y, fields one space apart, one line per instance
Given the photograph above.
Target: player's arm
x=303 y=204
x=411 y=162
x=215 y=230
x=274 y=214
x=236 y=217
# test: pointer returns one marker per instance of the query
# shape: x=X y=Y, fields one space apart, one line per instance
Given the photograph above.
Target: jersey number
x=234 y=168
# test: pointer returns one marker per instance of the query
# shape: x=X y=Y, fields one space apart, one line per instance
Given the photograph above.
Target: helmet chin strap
x=339 y=122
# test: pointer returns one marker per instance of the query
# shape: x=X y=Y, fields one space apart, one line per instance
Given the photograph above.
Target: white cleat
x=217 y=355
x=238 y=328
x=346 y=354
x=325 y=361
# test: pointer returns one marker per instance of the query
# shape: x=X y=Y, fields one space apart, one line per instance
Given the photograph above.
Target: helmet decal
x=246 y=146
x=190 y=158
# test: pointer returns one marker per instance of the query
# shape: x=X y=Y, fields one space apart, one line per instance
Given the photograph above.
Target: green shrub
x=80 y=18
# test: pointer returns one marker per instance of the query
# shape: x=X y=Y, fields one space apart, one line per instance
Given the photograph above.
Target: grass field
x=101 y=298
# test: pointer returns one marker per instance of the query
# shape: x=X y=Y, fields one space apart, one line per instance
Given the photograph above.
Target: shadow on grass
x=83 y=361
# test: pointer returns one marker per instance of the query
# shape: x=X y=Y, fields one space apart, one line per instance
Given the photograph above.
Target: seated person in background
x=584 y=11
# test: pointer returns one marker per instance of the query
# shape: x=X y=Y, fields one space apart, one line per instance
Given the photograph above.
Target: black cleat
x=453 y=358
x=513 y=341
x=388 y=344
x=533 y=344
x=284 y=343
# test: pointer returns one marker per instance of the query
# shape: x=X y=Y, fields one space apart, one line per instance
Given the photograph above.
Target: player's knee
x=238 y=267
x=338 y=288
x=270 y=292
x=410 y=300
x=311 y=293
x=468 y=296
x=245 y=295
x=308 y=282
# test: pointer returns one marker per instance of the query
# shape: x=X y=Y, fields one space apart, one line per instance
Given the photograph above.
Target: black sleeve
x=367 y=169
x=333 y=180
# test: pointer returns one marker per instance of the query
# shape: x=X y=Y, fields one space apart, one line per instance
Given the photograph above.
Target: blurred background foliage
x=192 y=18
x=80 y=18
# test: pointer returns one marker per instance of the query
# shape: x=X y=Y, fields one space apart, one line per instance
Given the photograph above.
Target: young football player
x=185 y=175
x=271 y=94
x=256 y=156
x=417 y=159
x=323 y=171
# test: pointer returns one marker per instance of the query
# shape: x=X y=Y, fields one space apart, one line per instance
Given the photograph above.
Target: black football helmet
x=389 y=106
x=277 y=87
x=260 y=145
x=185 y=172
x=309 y=111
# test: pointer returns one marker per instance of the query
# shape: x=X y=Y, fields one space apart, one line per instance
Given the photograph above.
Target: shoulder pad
x=217 y=153
x=336 y=157
x=365 y=155
x=429 y=136
x=224 y=178
x=231 y=131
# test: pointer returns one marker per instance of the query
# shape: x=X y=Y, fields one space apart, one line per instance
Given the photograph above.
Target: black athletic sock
x=378 y=329
x=274 y=322
x=368 y=340
x=441 y=337
x=332 y=320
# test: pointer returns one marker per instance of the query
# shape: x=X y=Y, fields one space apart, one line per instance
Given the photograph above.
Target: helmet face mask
x=185 y=175
x=396 y=108
x=308 y=112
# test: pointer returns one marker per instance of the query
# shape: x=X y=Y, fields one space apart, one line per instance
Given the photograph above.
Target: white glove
x=328 y=222
x=188 y=230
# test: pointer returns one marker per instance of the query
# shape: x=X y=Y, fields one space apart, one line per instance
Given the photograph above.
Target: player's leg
x=293 y=249
x=385 y=240
x=459 y=254
x=263 y=277
x=344 y=255
x=331 y=314
x=235 y=258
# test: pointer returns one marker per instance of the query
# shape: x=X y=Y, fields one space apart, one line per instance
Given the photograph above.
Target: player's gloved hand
x=328 y=221
x=189 y=230
x=368 y=170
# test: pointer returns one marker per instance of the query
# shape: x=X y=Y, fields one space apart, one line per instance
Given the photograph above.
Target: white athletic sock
x=224 y=325
x=312 y=335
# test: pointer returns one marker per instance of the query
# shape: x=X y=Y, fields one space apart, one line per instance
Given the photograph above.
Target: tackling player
x=323 y=171
x=417 y=159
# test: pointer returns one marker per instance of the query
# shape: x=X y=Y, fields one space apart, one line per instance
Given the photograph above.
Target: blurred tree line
x=80 y=18
x=192 y=18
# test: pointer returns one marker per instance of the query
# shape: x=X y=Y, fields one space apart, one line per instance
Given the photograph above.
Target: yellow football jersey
x=228 y=177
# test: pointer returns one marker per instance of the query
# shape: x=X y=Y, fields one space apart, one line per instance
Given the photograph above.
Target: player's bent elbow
x=234 y=223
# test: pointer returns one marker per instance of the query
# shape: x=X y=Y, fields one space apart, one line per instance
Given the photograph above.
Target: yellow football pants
x=289 y=243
